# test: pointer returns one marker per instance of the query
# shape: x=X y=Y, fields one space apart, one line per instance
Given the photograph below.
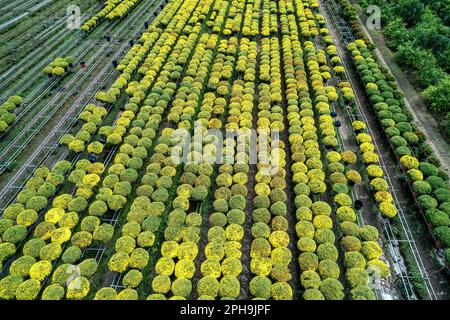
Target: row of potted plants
x=138 y=60
x=270 y=255
x=360 y=240
x=196 y=179
x=18 y=217
x=319 y=271
x=428 y=185
x=380 y=187
x=175 y=269
x=7 y=116
x=112 y=9
x=136 y=235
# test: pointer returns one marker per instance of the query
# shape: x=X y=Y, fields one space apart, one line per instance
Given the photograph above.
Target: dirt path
x=414 y=101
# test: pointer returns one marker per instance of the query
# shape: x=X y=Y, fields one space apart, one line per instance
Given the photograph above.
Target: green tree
x=438 y=96
x=409 y=10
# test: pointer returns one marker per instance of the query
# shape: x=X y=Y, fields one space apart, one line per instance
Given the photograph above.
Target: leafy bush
x=313 y=294
x=78 y=288
x=15 y=234
x=182 y=287
x=328 y=269
x=71 y=255
x=50 y=252
x=28 y=290
x=53 y=292
x=357 y=277
x=6 y=249
x=443 y=234
x=354 y=259
x=21 y=267
x=281 y=291
x=40 y=270
x=9 y=285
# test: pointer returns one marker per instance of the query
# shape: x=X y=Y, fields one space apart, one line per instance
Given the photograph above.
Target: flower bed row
x=378 y=185
x=270 y=255
x=428 y=185
x=121 y=9
x=149 y=119
x=269 y=21
x=318 y=254
x=175 y=268
x=147 y=211
x=250 y=20
x=148 y=47
x=222 y=266
x=7 y=116
x=113 y=9
x=59 y=66
x=93 y=115
x=216 y=18
x=357 y=242
x=350 y=14
x=196 y=177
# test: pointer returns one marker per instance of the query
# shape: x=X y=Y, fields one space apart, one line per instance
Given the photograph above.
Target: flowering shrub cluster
x=110 y=196
x=153 y=193
x=318 y=253
x=140 y=57
x=359 y=244
x=342 y=178
x=250 y=23
x=7 y=116
x=144 y=218
x=21 y=215
x=175 y=219
x=270 y=255
x=91 y=116
x=51 y=234
x=113 y=9
x=59 y=66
